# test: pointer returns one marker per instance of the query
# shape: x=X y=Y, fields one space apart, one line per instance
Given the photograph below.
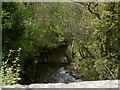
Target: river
x=48 y=73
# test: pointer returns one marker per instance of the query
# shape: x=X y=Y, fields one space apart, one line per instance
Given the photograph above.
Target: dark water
x=48 y=73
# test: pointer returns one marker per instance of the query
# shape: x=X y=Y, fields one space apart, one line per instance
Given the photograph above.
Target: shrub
x=10 y=70
x=99 y=69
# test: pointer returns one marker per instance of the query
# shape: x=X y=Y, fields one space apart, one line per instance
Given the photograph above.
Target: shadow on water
x=49 y=67
x=48 y=73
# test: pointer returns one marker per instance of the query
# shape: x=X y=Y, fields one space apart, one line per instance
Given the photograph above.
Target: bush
x=9 y=72
x=98 y=69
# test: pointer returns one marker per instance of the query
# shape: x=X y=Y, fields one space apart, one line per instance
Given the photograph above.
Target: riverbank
x=84 y=84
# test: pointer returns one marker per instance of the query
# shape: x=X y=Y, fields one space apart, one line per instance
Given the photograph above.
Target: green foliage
x=10 y=71
x=12 y=26
x=103 y=45
x=100 y=69
x=89 y=33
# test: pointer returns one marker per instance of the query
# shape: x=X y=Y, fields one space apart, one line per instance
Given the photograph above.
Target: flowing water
x=49 y=73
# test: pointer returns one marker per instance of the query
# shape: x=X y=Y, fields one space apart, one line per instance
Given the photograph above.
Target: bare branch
x=96 y=14
x=89 y=9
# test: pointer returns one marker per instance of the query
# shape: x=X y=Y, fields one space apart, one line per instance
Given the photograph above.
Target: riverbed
x=48 y=73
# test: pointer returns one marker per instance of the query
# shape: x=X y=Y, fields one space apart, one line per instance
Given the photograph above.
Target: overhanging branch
x=89 y=9
x=96 y=14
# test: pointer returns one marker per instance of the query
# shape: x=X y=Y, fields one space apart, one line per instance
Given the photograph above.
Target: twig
x=110 y=72
x=89 y=9
x=96 y=14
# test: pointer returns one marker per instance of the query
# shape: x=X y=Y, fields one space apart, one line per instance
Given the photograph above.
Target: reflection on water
x=48 y=73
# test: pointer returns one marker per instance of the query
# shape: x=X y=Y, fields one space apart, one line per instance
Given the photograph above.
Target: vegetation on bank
x=86 y=34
